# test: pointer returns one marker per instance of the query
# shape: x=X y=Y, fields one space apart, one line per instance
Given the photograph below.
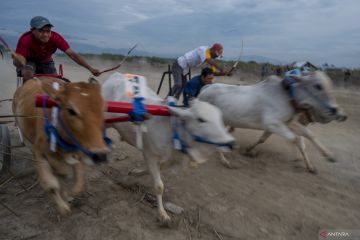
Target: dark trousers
x=179 y=80
x=40 y=68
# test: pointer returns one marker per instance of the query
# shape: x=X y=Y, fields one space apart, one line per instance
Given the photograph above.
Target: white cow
x=266 y=106
x=201 y=121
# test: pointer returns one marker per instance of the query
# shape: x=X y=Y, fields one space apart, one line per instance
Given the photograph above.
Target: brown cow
x=81 y=112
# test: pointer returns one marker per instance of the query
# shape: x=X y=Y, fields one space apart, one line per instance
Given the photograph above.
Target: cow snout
x=341 y=116
x=333 y=110
x=98 y=158
x=225 y=147
x=99 y=155
x=103 y=150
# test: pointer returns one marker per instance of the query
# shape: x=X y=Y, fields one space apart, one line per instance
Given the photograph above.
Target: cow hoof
x=76 y=191
x=165 y=221
x=229 y=165
x=313 y=171
x=75 y=202
x=193 y=164
x=249 y=154
x=99 y=158
x=331 y=159
x=231 y=129
x=64 y=209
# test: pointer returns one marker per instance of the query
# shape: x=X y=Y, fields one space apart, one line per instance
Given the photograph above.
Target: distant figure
x=194 y=85
x=195 y=58
x=287 y=68
x=278 y=71
x=347 y=75
x=264 y=70
x=35 y=49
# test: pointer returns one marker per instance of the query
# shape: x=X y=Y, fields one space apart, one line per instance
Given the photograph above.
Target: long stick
x=238 y=60
x=119 y=65
x=14 y=55
x=5 y=45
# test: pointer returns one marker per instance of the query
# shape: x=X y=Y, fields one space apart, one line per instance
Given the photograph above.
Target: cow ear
x=297 y=78
x=304 y=77
x=181 y=113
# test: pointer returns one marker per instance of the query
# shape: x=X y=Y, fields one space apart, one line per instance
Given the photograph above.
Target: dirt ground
x=268 y=196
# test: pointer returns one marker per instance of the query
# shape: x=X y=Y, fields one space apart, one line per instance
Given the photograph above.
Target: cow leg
x=49 y=182
x=224 y=161
x=262 y=139
x=230 y=129
x=79 y=175
x=60 y=167
x=305 y=132
x=159 y=189
x=283 y=131
x=301 y=145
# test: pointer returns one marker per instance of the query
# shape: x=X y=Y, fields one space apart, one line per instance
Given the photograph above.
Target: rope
x=119 y=65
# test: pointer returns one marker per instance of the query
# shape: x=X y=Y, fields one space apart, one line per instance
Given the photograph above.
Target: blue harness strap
x=179 y=143
x=139 y=111
x=73 y=146
x=289 y=85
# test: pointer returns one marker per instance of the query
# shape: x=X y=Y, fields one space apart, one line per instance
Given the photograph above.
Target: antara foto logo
x=323 y=234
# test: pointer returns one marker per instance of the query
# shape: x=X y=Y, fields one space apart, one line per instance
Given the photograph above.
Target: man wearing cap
x=195 y=58
x=35 y=49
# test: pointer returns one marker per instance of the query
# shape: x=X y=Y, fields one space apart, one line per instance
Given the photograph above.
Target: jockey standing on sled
x=35 y=48
x=195 y=58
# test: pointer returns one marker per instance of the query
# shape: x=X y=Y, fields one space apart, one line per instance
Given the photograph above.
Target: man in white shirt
x=195 y=58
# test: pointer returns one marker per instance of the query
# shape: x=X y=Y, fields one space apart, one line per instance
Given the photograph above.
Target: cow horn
x=93 y=80
x=297 y=78
x=49 y=90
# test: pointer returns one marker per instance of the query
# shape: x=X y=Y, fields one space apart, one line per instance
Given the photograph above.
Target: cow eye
x=201 y=120
x=318 y=87
x=72 y=112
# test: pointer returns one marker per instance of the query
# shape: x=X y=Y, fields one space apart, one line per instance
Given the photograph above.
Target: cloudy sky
x=315 y=30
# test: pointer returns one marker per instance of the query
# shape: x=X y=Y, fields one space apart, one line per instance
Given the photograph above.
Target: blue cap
x=40 y=22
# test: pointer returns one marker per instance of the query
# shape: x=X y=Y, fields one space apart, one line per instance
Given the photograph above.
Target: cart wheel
x=5 y=149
